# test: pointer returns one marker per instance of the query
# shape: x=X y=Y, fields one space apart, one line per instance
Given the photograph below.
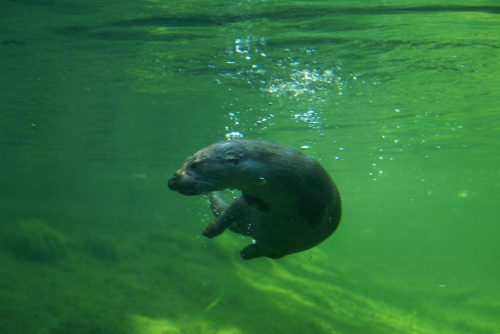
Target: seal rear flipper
x=254 y=250
x=251 y=252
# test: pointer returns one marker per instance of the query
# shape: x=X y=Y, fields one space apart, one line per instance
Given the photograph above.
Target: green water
x=101 y=103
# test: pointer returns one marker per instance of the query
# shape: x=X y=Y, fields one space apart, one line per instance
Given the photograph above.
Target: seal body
x=288 y=204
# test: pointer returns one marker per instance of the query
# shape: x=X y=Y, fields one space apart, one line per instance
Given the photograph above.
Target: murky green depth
x=101 y=103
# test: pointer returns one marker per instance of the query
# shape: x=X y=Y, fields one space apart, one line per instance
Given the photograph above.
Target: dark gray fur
x=289 y=203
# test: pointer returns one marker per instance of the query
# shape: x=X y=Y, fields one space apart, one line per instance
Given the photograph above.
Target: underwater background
x=100 y=102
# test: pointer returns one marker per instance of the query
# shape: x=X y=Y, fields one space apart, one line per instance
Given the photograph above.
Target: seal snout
x=184 y=185
x=172 y=181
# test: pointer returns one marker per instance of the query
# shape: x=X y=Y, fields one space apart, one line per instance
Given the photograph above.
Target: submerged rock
x=34 y=240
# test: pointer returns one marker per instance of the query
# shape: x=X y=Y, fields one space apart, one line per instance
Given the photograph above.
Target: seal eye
x=195 y=166
x=232 y=160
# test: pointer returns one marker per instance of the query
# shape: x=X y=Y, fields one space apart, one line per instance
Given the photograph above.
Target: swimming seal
x=289 y=203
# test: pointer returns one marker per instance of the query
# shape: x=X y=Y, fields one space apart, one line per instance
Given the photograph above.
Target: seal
x=288 y=204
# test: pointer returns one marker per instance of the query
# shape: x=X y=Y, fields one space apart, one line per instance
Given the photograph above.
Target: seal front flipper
x=233 y=214
x=217 y=203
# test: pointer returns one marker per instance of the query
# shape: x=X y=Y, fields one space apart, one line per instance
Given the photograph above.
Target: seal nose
x=172 y=180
